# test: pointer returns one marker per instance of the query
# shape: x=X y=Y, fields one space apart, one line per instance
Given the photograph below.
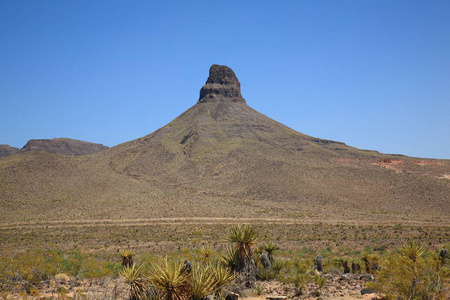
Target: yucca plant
x=222 y=276
x=412 y=250
x=229 y=260
x=371 y=262
x=139 y=286
x=206 y=253
x=270 y=248
x=202 y=281
x=127 y=258
x=168 y=278
x=243 y=238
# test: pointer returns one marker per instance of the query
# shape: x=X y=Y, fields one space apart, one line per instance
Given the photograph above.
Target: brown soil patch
x=346 y=287
x=389 y=164
x=427 y=163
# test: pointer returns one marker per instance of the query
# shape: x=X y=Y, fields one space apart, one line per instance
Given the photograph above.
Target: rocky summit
x=63 y=146
x=222 y=85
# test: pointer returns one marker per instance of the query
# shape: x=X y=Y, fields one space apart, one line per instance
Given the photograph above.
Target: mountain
x=63 y=146
x=6 y=150
x=221 y=158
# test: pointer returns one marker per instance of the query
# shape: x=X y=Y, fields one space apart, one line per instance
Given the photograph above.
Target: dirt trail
x=194 y=220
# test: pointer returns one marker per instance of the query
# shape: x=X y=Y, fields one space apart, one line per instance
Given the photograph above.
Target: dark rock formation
x=222 y=85
x=368 y=291
x=231 y=296
x=443 y=254
x=7 y=150
x=64 y=146
x=187 y=267
x=366 y=277
x=265 y=261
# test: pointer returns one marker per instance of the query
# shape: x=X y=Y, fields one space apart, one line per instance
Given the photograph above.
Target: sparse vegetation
x=213 y=261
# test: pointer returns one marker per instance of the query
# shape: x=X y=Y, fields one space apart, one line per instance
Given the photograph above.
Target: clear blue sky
x=372 y=74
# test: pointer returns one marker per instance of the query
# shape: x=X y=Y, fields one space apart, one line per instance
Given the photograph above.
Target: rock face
x=63 y=146
x=7 y=150
x=222 y=85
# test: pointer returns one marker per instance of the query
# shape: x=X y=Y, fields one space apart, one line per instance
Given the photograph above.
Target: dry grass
x=170 y=235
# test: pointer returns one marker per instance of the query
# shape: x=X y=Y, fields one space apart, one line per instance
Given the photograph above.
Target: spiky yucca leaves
x=229 y=260
x=127 y=258
x=208 y=279
x=170 y=281
x=270 y=248
x=243 y=238
x=202 y=282
x=139 y=286
x=412 y=250
x=222 y=277
x=205 y=253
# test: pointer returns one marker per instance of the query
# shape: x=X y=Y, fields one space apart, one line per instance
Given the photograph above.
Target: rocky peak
x=222 y=85
x=63 y=146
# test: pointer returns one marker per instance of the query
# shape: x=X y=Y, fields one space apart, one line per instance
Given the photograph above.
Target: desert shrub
x=320 y=281
x=297 y=273
x=258 y=290
x=335 y=271
x=26 y=271
x=412 y=273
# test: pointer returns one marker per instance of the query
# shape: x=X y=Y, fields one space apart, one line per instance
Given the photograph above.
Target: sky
x=372 y=74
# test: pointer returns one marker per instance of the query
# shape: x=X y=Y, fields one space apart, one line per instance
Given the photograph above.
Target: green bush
x=412 y=274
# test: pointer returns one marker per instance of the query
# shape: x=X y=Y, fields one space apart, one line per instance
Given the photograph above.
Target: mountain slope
x=221 y=158
x=7 y=150
x=63 y=146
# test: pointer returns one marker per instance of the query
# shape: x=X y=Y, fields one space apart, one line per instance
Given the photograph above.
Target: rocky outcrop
x=222 y=85
x=63 y=146
x=7 y=150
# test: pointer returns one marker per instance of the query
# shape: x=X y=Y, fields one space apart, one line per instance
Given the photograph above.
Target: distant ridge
x=6 y=150
x=222 y=158
x=63 y=146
